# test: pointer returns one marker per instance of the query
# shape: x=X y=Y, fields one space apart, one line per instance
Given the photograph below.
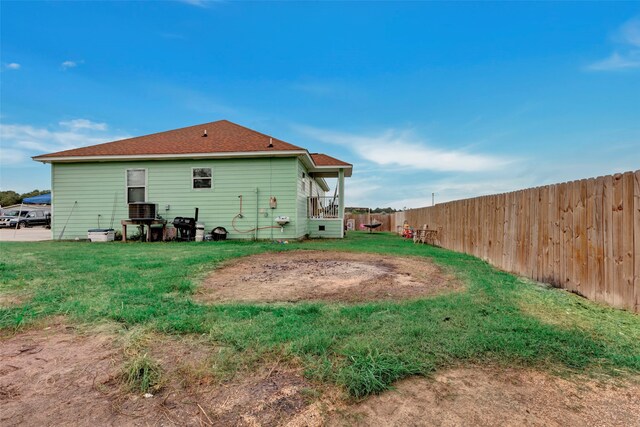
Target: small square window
x=201 y=178
x=321 y=228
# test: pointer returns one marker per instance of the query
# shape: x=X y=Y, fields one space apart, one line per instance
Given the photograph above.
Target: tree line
x=366 y=210
x=10 y=197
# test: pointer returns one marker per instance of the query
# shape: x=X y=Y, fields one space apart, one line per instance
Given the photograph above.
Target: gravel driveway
x=24 y=234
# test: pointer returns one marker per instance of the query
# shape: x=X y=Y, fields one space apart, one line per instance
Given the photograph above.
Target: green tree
x=33 y=193
x=8 y=198
x=383 y=210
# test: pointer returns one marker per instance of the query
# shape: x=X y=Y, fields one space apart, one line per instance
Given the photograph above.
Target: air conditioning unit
x=141 y=210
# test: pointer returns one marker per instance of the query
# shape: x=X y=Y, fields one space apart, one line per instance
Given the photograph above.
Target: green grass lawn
x=498 y=318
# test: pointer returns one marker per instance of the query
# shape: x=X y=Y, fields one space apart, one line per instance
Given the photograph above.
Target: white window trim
x=126 y=183
x=192 y=178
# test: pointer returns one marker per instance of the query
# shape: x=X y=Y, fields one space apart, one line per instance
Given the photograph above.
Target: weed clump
x=371 y=372
x=142 y=374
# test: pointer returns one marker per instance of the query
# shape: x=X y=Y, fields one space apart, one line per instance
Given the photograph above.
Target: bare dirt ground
x=330 y=276
x=483 y=396
x=54 y=376
x=60 y=375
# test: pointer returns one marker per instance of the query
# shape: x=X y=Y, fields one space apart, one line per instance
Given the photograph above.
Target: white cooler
x=100 y=235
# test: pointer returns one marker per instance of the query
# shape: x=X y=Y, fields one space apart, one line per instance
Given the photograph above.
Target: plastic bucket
x=199 y=231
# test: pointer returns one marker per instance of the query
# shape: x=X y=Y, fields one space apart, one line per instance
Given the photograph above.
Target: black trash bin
x=219 y=233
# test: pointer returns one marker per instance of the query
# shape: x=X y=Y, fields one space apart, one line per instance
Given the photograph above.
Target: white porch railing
x=323 y=207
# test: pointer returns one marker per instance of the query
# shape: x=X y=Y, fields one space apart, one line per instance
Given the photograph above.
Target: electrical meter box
x=273 y=202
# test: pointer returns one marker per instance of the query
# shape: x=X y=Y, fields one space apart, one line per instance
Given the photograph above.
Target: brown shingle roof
x=323 y=160
x=222 y=137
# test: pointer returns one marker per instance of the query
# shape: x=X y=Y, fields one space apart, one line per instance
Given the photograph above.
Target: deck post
x=341 y=198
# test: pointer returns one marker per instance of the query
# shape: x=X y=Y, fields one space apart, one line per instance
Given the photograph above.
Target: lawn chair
x=425 y=235
x=420 y=234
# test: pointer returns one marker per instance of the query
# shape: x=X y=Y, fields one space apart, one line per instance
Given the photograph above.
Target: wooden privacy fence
x=583 y=236
x=388 y=221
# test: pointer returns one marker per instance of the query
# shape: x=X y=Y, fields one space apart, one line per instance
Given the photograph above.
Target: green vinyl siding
x=308 y=226
x=301 y=199
x=96 y=185
x=332 y=228
x=306 y=187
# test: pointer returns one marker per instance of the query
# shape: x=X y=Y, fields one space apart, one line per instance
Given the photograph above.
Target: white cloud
x=13 y=66
x=12 y=156
x=617 y=61
x=19 y=142
x=83 y=124
x=402 y=148
x=417 y=192
x=70 y=64
x=399 y=169
x=362 y=192
x=198 y=3
x=629 y=32
x=627 y=55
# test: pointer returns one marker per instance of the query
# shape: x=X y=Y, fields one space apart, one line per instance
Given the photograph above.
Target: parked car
x=27 y=218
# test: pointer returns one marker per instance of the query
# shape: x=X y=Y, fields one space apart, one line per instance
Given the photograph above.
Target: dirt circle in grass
x=324 y=276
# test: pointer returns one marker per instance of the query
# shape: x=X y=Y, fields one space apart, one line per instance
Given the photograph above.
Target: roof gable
x=323 y=160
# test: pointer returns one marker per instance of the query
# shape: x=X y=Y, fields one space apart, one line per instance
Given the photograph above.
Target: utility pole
x=433 y=199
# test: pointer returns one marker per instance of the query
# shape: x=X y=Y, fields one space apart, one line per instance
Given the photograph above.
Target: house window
x=201 y=178
x=136 y=185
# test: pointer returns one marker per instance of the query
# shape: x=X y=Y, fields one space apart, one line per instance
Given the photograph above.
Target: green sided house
x=239 y=179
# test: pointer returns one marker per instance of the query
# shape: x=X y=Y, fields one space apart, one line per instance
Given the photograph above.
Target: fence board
x=564 y=229
x=636 y=240
x=388 y=221
x=618 y=249
x=589 y=284
x=598 y=243
x=543 y=234
x=580 y=241
x=607 y=221
x=532 y=233
x=571 y=237
x=555 y=212
x=626 y=292
x=582 y=235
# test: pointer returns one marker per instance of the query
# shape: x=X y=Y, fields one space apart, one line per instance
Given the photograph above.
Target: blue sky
x=460 y=99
